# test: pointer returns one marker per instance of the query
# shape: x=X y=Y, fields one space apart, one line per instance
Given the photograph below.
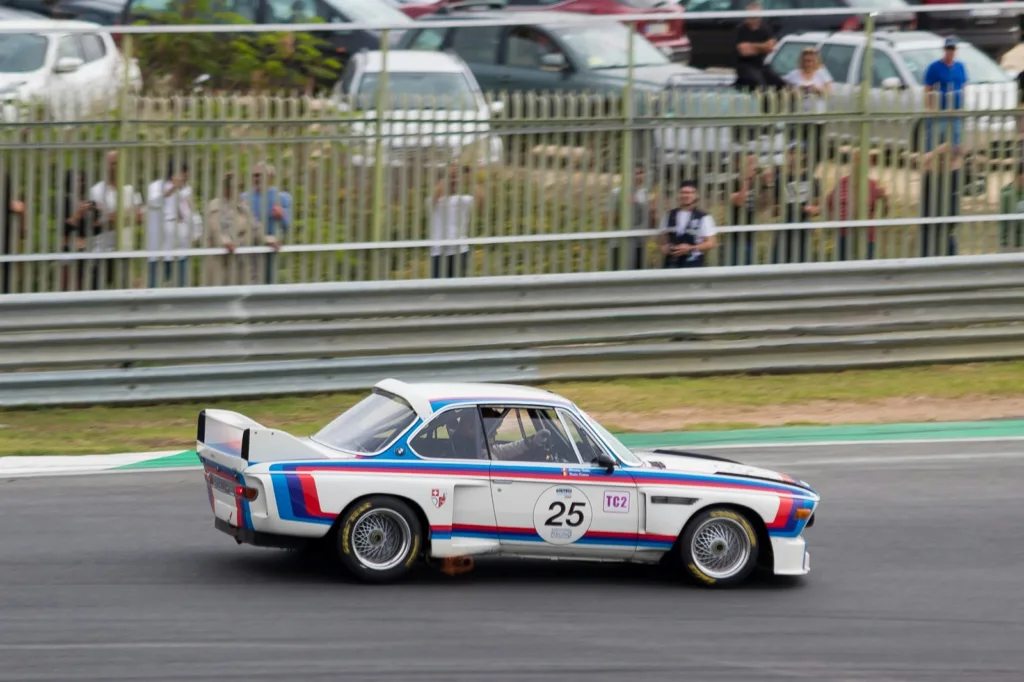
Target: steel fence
x=362 y=186
x=137 y=345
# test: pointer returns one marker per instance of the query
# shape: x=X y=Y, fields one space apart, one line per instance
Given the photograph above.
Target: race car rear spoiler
x=231 y=434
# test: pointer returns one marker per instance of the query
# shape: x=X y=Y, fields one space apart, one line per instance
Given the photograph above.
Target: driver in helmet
x=467 y=441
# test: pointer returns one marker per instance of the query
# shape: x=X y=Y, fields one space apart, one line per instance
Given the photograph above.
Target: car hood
x=663 y=75
x=708 y=465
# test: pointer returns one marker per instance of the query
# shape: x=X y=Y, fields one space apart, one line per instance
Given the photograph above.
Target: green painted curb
x=787 y=434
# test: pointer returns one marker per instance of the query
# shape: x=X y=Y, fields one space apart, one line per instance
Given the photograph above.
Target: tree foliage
x=234 y=61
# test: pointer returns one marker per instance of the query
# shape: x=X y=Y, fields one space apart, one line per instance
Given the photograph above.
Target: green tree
x=234 y=61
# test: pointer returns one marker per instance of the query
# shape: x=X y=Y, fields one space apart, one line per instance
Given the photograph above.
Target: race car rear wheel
x=719 y=547
x=379 y=539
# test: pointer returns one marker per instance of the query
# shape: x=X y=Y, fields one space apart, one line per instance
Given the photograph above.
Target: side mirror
x=606 y=461
x=555 y=61
x=68 y=65
x=892 y=83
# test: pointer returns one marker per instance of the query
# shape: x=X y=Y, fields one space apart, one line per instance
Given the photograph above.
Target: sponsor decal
x=564 y=493
x=438 y=496
x=616 y=502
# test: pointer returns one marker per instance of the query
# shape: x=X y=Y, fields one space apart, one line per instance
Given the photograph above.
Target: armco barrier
x=82 y=348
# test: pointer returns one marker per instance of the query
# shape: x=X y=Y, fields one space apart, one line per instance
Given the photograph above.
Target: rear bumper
x=257 y=538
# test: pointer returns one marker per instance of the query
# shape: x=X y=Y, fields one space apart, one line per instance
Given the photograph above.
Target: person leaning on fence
x=107 y=199
x=450 y=218
x=641 y=203
x=797 y=200
x=749 y=195
x=842 y=204
x=1011 y=200
x=271 y=206
x=942 y=184
x=13 y=217
x=754 y=41
x=686 y=233
x=81 y=220
x=170 y=226
x=230 y=224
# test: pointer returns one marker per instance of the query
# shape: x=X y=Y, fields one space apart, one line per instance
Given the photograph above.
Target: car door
x=478 y=47
x=551 y=501
x=524 y=50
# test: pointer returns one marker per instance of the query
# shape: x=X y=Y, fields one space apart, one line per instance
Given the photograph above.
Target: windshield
x=22 y=52
x=607 y=47
x=421 y=90
x=621 y=451
x=368 y=12
x=369 y=426
x=980 y=67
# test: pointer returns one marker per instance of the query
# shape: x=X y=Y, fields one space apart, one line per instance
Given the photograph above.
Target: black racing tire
x=718 y=534
x=379 y=539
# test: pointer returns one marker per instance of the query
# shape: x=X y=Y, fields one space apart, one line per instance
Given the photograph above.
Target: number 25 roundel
x=562 y=515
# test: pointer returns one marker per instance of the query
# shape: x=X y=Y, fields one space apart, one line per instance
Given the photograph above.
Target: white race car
x=444 y=472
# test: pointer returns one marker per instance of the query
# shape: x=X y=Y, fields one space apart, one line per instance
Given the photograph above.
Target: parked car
x=545 y=56
x=993 y=29
x=41 y=63
x=417 y=8
x=668 y=36
x=103 y=12
x=899 y=62
x=343 y=42
x=713 y=41
x=441 y=114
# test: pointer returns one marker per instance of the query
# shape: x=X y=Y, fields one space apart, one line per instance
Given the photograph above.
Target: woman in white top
x=813 y=84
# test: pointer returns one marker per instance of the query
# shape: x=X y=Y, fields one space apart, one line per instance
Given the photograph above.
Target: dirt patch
x=889 y=410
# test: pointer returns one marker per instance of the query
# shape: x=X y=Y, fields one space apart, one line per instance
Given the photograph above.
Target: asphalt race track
x=917 y=564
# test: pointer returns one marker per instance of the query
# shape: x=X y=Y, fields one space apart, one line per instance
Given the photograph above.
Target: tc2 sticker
x=616 y=502
x=562 y=515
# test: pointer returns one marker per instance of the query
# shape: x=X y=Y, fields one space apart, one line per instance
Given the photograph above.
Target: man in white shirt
x=450 y=219
x=105 y=196
x=170 y=223
x=687 y=233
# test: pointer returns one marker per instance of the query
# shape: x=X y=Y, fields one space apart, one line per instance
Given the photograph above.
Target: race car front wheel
x=719 y=547
x=379 y=539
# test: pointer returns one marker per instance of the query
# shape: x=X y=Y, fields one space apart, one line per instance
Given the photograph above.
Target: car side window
x=93 y=47
x=452 y=434
x=788 y=56
x=882 y=67
x=477 y=45
x=708 y=5
x=513 y=435
x=837 y=59
x=526 y=47
x=587 y=446
x=69 y=47
x=429 y=39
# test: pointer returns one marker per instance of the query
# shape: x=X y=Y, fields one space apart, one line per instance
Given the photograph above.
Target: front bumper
x=791 y=556
x=248 y=536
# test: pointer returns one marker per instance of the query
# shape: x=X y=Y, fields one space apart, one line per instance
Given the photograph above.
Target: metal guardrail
x=274 y=340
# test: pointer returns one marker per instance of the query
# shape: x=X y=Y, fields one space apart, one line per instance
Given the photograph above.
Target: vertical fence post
x=865 y=126
x=626 y=162
x=119 y=266
x=379 y=177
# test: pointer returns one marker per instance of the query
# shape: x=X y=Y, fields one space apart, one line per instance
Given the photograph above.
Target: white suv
x=899 y=62
x=68 y=74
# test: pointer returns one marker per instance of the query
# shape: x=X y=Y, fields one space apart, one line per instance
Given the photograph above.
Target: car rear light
x=851 y=24
x=246 y=493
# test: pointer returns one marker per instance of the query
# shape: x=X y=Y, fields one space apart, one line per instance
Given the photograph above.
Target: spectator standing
x=813 y=84
x=81 y=221
x=944 y=82
x=1011 y=200
x=686 y=233
x=941 y=188
x=229 y=224
x=450 y=219
x=13 y=215
x=755 y=41
x=169 y=200
x=273 y=208
x=748 y=196
x=106 y=198
x=843 y=200
x=797 y=200
x=641 y=202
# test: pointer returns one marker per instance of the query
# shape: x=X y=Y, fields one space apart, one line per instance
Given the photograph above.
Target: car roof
x=422 y=395
x=416 y=61
x=44 y=24
x=897 y=39
x=529 y=16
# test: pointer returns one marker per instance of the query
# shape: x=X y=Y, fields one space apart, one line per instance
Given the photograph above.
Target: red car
x=669 y=36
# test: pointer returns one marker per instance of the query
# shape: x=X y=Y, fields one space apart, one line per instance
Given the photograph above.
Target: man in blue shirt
x=944 y=83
